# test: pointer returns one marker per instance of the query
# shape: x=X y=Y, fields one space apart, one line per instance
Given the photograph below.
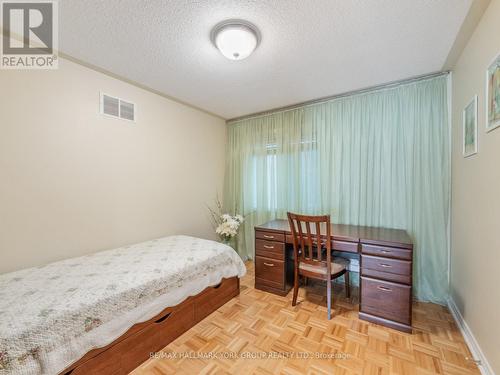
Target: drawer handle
x=386 y=251
x=269 y=264
x=269 y=247
x=385 y=265
x=385 y=289
x=270 y=237
x=163 y=318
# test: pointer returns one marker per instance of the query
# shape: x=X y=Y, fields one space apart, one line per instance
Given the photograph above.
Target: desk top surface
x=352 y=233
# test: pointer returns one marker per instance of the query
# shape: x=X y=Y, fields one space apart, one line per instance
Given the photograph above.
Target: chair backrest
x=311 y=235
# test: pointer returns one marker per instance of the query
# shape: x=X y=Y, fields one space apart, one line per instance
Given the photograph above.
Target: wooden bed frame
x=135 y=346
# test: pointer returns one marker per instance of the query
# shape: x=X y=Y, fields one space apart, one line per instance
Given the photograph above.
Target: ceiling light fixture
x=235 y=39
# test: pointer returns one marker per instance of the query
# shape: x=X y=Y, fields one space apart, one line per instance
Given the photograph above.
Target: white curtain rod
x=333 y=97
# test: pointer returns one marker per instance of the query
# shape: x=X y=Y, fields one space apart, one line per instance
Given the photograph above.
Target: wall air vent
x=116 y=107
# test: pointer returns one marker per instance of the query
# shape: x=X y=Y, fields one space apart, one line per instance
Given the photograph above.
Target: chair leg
x=295 y=287
x=347 y=285
x=329 y=297
x=305 y=280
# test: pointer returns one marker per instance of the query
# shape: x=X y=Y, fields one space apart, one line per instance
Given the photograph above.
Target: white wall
x=475 y=249
x=74 y=182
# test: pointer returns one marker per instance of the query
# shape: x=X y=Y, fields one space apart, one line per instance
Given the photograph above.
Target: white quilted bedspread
x=51 y=316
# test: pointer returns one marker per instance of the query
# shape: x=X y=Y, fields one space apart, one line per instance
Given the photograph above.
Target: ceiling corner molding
x=325 y=99
x=470 y=23
x=136 y=84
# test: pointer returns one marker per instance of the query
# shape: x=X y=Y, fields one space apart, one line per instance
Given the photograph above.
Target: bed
x=105 y=312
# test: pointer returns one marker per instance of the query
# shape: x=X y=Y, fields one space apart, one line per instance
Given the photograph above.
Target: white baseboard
x=470 y=340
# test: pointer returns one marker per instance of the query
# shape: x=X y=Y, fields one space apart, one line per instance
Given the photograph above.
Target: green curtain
x=379 y=158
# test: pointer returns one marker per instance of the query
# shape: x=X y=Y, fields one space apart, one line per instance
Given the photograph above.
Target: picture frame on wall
x=493 y=95
x=469 y=119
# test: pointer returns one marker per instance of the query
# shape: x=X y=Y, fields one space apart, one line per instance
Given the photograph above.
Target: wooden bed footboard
x=134 y=347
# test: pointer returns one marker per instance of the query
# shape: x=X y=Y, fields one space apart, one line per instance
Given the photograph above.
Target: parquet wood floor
x=300 y=340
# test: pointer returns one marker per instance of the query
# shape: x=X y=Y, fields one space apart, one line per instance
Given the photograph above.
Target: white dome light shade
x=235 y=40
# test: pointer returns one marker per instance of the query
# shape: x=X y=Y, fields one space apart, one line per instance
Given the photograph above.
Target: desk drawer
x=349 y=247
x=388 y=269
x=395 y=266
x=387 y=252
x=403 y=279
x=270 y=272
x=346 y=246
x=269 y=236
x=269 y=249
x=386 y=299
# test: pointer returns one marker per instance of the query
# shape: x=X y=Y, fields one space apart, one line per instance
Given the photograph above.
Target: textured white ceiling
x=309 y=48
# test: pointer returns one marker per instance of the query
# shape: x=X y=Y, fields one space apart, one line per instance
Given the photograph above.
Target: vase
x=227 y=241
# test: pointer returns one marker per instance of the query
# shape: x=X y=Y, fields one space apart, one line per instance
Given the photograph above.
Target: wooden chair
x=313 y=254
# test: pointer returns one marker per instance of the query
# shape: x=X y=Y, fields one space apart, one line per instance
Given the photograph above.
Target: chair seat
x=339 y=264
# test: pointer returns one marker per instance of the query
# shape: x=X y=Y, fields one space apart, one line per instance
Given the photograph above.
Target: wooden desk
x=385 y=267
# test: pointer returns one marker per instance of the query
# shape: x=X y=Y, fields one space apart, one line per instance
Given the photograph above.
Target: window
x=274 y=178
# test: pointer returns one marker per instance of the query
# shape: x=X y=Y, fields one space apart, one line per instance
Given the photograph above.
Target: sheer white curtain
x=379 y=159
